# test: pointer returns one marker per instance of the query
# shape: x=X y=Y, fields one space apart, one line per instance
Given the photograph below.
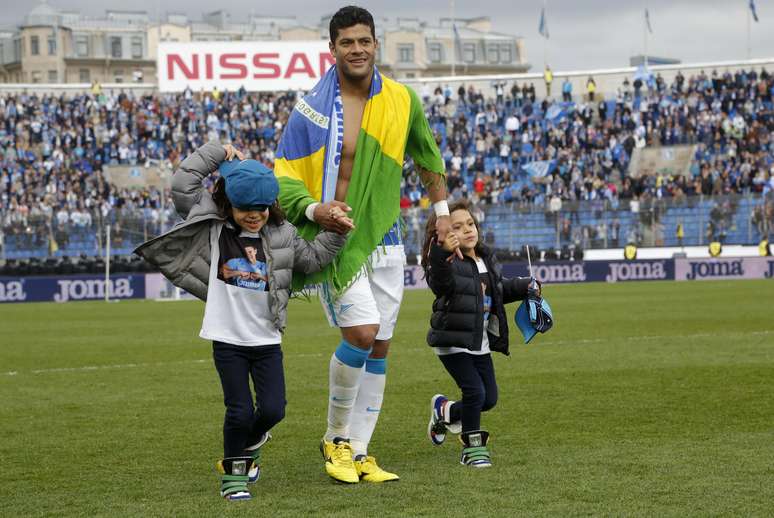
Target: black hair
x=276 y=215
x=350 y=16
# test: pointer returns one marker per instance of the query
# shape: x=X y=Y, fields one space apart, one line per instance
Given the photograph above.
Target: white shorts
x=374 y=297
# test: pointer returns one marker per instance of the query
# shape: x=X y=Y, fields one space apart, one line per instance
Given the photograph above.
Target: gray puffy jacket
x=183 y=254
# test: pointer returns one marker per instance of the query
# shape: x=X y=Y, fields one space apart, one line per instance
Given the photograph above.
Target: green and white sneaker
x=233 y=478
x=254 y=451
x=474 y=451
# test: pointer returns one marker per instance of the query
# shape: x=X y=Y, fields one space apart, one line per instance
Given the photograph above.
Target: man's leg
x=370 y=395
x=344 y=377
x=355 y=313
x=386 y=281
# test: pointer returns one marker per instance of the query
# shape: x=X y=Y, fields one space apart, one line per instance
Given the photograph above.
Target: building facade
x=55 y=46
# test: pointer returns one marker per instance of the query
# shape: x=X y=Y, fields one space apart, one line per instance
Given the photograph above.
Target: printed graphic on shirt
x=487 y=302
x=484 y=278
x=242 y=262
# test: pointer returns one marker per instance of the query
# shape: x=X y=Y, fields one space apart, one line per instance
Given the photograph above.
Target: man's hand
x=333 y=216
x=232 y=152
x=442 y=229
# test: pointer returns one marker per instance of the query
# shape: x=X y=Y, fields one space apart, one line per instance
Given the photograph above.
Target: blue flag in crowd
x=555 y=112
x=543 y=27
x=647 y=20
x=752 y=10
x=642 y=73
x=540 y=168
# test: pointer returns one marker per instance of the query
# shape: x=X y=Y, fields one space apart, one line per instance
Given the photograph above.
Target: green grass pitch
x=646 y=399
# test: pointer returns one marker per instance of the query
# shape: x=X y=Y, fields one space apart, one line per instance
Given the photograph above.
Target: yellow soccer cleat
x=338 y=460
x=369 y=470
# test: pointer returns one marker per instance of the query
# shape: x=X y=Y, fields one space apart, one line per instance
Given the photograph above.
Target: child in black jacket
x=468 y=322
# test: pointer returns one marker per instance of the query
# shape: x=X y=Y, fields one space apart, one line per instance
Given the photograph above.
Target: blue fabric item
x=350 y=355
x=527 y=314
x=392 y=237
x=307 y=129
x=249 y=184
x=376 y=365
x=523 y=322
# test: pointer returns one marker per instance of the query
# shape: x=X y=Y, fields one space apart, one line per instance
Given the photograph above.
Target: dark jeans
x=475 y=376
x=247 y=420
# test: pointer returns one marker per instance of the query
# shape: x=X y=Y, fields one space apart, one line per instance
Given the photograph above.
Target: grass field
x=645 y=399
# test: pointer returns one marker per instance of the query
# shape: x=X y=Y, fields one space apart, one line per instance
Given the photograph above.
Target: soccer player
x=343 y=150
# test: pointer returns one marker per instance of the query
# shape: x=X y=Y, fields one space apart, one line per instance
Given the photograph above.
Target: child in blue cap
x=467 y=323
x=236 y=251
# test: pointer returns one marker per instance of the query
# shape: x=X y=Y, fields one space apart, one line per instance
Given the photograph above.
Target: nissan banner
x=256 y=65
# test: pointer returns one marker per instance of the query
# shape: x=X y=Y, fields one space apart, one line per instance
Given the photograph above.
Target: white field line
x=120 y=366
x=88 y=368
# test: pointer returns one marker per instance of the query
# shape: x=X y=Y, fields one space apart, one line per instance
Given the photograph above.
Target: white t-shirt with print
x=237 y=308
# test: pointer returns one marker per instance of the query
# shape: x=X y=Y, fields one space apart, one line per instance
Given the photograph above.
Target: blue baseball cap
x=250 y=185
x=524 y=321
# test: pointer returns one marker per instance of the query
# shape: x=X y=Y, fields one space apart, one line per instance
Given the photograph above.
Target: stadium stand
x=555 y=175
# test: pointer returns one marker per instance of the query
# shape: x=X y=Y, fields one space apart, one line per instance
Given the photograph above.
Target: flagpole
x=645 y=35
x=545 y=39
x=749 y=30
x=453 y=41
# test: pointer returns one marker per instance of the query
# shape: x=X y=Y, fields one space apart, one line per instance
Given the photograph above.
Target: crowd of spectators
x=507 y=147
x=586 y=144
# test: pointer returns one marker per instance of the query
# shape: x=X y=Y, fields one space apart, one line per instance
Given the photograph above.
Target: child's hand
x=232 y=152
x=451 y=243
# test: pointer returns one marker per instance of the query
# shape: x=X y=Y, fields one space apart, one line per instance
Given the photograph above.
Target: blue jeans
x=475 y=376
x=247 y=420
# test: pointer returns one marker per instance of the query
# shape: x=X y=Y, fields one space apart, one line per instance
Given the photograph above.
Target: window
x=119 y=75
x=82 y=46
x=469 y=52
x=136 y=47
x=506 y=55
x=492 y=53
x=17 y=49
x=34 y=45
x=435 y=52
x=37 y=76
x=115 y=47
x=406 y=53
x=53 y=76
x=84 y=75
x=51 y=46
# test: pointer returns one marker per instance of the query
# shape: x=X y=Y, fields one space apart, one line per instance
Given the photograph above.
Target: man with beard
x=339 y=165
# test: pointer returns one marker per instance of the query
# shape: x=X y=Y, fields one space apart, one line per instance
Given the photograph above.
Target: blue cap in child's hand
x=530 y=311
x=250 y=185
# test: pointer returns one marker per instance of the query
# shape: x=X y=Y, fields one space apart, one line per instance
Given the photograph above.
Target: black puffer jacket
x=458 y=309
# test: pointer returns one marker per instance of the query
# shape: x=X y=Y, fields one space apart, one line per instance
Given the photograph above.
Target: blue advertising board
x=595 y=271
x=76 y=287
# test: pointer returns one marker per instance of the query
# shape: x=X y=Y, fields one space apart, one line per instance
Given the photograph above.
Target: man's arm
x=436 y=190
x=421 y=146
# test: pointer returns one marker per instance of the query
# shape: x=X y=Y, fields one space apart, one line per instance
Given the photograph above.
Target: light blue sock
x=368 y=405
x=345 y=371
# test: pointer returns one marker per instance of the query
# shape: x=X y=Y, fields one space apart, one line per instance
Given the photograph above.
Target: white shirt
x=234 y=314
x=442 y=351
x=512 y=123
